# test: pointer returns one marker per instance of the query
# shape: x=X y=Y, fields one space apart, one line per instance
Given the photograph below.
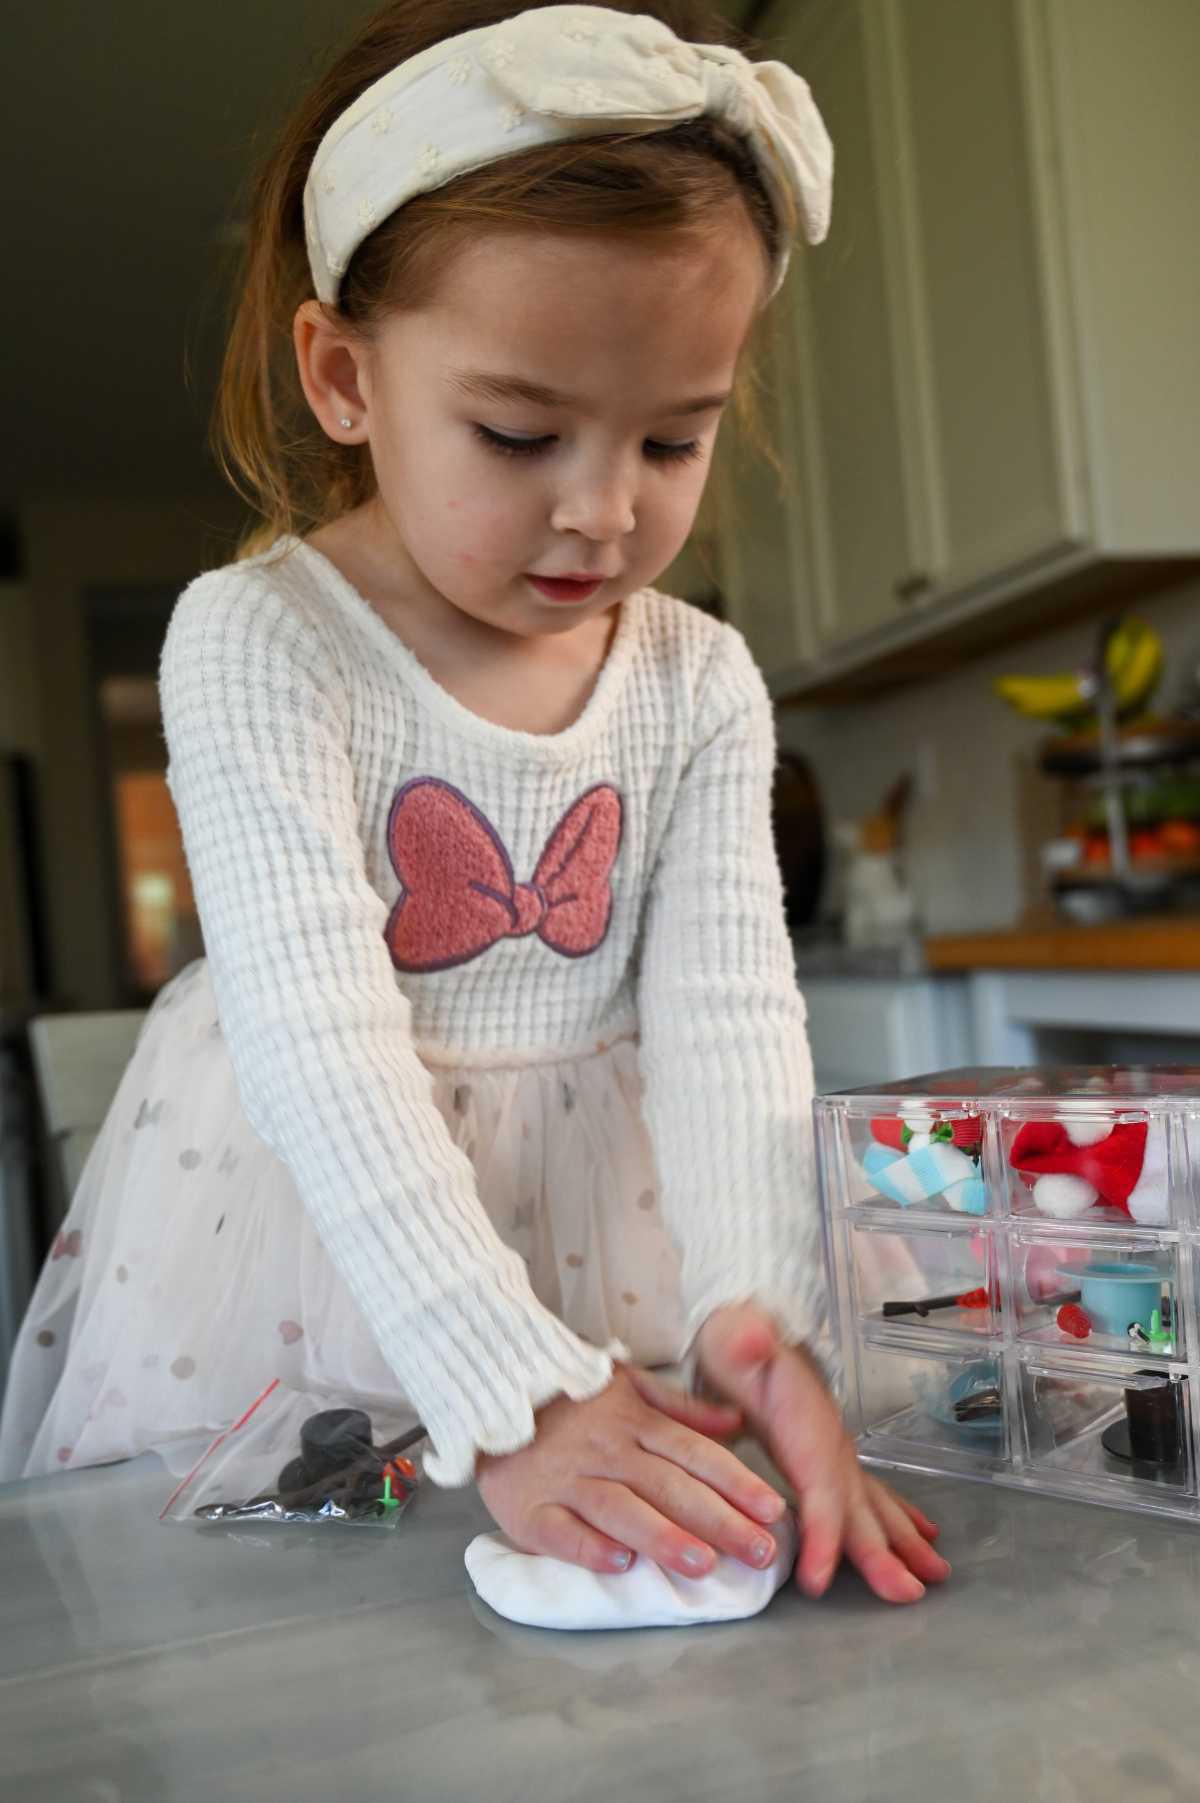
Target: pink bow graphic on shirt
x=459 y=896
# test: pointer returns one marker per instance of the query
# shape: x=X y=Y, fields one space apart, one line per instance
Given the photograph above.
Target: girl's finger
x=560 y=1534
x=928 y=1530
x=822 y=1509
x=703 y=1417
x=696 y=1508
x=629 y=1520
x=867 y=1549
x=904 y=1538
x=714 y=1466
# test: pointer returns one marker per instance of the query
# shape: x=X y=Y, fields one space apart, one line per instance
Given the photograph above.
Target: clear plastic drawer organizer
x=1015 y=1258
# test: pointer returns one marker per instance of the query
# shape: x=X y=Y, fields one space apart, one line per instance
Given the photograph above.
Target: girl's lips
x=565 y=588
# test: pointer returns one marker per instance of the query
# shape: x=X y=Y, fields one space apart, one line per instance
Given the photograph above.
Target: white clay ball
x=918 y=1123
x=1063 y=1196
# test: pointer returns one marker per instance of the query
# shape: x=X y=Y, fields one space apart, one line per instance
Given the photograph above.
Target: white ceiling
x=129 y=128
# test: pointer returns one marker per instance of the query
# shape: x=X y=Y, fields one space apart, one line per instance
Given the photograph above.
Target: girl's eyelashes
x=534 y=447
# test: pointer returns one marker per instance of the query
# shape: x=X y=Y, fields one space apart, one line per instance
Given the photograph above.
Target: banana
x=1134 y=663
x=1043 y=697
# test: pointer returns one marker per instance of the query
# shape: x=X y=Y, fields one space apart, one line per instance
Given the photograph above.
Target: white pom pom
x=1087 y=1133
x=918 y=1123
x=1063 y=1196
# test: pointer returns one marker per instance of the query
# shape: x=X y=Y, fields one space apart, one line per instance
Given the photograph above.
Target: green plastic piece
x=1158 y=1337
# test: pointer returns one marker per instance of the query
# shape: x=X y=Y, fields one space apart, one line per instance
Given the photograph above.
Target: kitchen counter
x=820 y=955
x=1150 y=943
x=163 y=1664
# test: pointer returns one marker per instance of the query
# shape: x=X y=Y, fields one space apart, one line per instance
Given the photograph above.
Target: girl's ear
x=329 y=359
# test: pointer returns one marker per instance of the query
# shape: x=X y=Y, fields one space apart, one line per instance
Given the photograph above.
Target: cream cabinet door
x=754 y=509
x=980 y=233
x=864 y=528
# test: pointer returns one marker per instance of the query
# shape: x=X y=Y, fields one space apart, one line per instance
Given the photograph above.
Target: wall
x=19 y=732
x=70 y=547
x=981 y=803
x=19 y=725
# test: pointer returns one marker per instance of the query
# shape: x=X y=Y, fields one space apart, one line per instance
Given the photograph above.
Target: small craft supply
x=1080 y=1162
x=548 y=1593
x=979 y=1405
x=977 y=1298
x=1114 y=1293
x=919 y=1159
x=1159 y=1336
x=971 y=1404
x=339 y=1473
x=1072 y=1319
x=1152 y=1431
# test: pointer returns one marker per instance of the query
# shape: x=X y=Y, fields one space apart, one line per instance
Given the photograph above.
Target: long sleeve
x=257 y=724
x=725 y=1054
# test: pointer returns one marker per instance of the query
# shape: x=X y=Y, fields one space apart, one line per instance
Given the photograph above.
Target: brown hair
x=265 y=437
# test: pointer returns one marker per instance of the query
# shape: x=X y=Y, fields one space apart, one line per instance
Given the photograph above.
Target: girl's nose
x=599 y=507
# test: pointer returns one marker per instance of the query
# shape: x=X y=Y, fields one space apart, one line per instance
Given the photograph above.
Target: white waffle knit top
x=386 y=881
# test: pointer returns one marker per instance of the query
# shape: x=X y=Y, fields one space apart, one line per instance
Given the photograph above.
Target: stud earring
x=345 y=424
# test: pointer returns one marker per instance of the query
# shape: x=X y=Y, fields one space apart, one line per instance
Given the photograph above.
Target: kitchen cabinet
x=752 y=513
x=986 y=385
x=865 y=1030
x=1075 y=1016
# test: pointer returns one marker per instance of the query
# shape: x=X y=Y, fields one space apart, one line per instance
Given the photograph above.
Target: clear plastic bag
x=295 y=1457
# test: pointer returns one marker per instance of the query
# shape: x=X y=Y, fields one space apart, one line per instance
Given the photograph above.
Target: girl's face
x=553 y=415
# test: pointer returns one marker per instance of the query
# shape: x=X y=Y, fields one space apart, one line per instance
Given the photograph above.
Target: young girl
x=495 y=1079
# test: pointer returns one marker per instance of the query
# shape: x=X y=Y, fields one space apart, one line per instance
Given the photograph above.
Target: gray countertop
x=139 y=1661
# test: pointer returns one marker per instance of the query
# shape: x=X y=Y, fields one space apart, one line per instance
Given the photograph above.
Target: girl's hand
x=634 y=1470
x=842 y=1509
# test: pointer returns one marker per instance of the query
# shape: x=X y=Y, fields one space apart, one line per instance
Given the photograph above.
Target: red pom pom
x=890 y=1131
x=1071 y=1319
x=974 y=1299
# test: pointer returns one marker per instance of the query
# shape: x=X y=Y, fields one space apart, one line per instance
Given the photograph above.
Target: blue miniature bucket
x=1114 y=1294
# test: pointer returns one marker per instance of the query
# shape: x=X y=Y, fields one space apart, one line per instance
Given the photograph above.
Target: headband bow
x=549 y=75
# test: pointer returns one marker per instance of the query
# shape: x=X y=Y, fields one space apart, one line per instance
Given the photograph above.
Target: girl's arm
x=725 y=1055
x=729 y=1106
x=257 y=726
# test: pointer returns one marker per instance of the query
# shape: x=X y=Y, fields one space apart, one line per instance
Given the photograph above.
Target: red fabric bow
x=1112 y=1166
x=459 y=896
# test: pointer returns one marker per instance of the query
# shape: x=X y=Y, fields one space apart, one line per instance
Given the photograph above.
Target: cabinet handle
x=908 y=588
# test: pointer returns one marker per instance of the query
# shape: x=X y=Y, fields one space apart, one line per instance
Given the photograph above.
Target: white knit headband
x=547 y=76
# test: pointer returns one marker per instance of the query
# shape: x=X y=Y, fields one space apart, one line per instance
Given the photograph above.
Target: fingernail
x=695 y=1559
x=620 y=1561
x=762 y=1552
x=916 y=1590
x=770 y=1508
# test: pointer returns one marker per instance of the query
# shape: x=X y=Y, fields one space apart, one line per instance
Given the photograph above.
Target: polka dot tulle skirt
x=188 y=1274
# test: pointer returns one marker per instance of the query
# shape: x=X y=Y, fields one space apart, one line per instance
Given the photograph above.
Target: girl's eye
x=533 y=447
x=673 y=453
x=512 y=447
